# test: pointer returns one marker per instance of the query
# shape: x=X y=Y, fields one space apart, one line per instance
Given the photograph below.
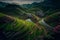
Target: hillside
x=14 y=29
x=55 y=18
x=47 y=6
x=36 y=21
x=13 y=10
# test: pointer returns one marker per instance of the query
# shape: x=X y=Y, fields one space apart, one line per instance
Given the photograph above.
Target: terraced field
x=15 y=26
x=12 y=28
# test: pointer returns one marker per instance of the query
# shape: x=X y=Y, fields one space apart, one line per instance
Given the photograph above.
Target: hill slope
x=13 y=10
x=16 y=29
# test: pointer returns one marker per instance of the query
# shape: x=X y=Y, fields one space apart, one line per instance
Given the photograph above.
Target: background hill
x=48 y=6
x=12 y=10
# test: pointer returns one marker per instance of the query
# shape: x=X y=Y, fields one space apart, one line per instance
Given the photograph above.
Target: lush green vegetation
x=25 y=30
x=13 y=24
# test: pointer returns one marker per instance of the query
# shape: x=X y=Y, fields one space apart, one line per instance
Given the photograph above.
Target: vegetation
x=13 y=24
x=53 y=19
x=22 y=29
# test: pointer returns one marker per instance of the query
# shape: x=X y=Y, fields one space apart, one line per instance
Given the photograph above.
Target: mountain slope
x=16 y=29
x=48 y=6
x=53 y=19
x=13 y=10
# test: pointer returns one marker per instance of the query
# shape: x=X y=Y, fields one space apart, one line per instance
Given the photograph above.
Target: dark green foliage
x=53 y=19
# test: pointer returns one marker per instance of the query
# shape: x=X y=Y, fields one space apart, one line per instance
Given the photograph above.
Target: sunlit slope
x=16 y=29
